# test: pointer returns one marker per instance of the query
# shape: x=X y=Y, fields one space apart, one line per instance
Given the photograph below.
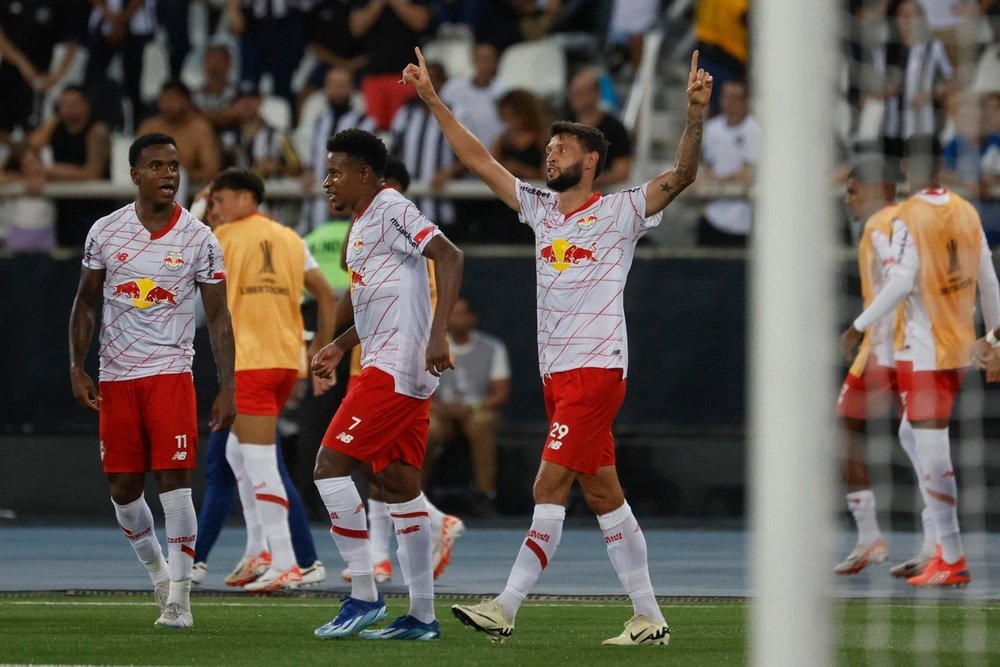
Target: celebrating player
x=384 y=417
x=585 y=243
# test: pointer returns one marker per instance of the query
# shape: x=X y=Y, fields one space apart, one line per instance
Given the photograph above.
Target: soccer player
x=383 y=419
x=145 y=261
x=939 y=256
x=268 y=266
x=870 y=386
x=585 y=243
x=445 y=528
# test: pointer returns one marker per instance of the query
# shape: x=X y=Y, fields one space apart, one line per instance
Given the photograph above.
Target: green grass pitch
x=118 y=629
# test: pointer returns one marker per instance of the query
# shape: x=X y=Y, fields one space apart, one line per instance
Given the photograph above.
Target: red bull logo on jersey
x=587 y=222
x=144 y=293
x=561 y=254
x=173 y=261
x=357 y=279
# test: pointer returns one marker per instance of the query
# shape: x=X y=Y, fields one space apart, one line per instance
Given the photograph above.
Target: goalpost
x=793 y=309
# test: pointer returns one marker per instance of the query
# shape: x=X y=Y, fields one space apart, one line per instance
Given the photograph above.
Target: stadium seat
x=276 y=112
x=155 y=71
x=455 y=53
x=120 y=144
x=987 y=78
x=538 y=66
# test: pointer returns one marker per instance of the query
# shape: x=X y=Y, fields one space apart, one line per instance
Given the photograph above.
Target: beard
x=566 y=179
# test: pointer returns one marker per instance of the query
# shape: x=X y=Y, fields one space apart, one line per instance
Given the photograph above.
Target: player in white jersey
x=383 y=419
x=585 y=244
x=145 y=262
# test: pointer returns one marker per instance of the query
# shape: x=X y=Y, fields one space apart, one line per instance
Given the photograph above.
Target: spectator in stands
x=497 y=23
x=31 y=217
x=329 y=37
x=477 y=94
x=196 y=143
x=468 y=401
x=272 y=40
x=419 y=143
x=721 y=28
x=28 y=34
x=730 y=150
x=340 y=114
x=119 y=27
x=585 y=107
x=972 y=160
x=173 y=16
x=215 y=97
x=918 y=77
x=389 y=29
x=630 y=21
x=81 y=151
x=521 y=146
x=250 y=143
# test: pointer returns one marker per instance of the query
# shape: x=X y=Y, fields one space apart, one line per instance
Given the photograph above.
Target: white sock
x=435 y=515
x=255 y=531
x=909 y=445
x=861 y=505
x=941 y=490
x=261 y=463
x=536 y=551
x=413 y=537
x=349 y=528
x=627 y=551
x=182 y=532
x=379 y=529
x=136 y=521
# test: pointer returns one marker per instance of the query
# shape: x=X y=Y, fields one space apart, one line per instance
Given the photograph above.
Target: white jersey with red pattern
x=582 y=263
x=150 y=290
x=390 y=290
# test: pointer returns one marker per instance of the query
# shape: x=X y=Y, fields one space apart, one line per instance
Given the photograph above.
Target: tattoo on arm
x=686 y=164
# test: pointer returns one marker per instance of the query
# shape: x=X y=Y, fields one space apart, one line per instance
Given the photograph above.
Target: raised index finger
x=420 y=57
x=694 y=67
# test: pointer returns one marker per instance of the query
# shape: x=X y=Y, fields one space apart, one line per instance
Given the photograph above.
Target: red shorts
x=262 y=392
x=870 y=395
x=375 y=424
x=928 y=394
x=150 y=423
x=581 y=405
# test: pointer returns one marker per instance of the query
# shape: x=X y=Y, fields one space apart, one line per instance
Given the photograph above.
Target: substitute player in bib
x=869 y=389
x=383 y=419
x=145 y=261
x=268 y=266
x=940 y=255
x=585 y=243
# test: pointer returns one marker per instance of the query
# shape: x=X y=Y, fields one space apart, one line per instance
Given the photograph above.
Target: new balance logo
x=345 y=438
x=179 y=456
x=554 y=444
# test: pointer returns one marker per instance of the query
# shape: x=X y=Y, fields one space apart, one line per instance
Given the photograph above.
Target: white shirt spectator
x=726 y=149
x=479 y=104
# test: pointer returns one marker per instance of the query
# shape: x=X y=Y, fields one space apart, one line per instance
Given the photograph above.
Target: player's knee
x=602 y=501
x=550 y=492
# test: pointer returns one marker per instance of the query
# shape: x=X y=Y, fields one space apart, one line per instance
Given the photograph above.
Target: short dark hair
x=361 y=145
x=872 y=169
x=145 y=141
x=236 y=178
x=592 y=139
x=178 y=86
x=73 y=88
x=396 y=170
x=923 y=157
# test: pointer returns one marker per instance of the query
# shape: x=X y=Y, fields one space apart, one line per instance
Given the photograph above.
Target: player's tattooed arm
x=664 y=188
x=220 y=333
x=82 y=320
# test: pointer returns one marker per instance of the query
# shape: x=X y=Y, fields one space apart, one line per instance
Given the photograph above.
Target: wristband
x=991 y=338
